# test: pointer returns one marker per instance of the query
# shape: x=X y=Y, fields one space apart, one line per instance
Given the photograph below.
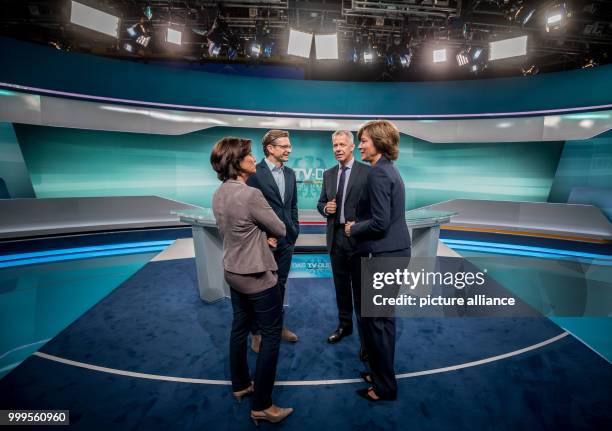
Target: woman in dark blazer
x=249 y=227
x=380 y=231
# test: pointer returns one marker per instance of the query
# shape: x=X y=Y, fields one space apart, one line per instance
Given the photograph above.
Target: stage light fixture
x=439 y=55
x=368 y=57
x=406 y=59
x=94 y=19
x=143 y=40
x=300 y=43
x=267 y=49
x=148 y=12
x=174 y=36
x=214 y=49
x=463 y=58
x=507 y=48
x=326 y=46
x=556 y=16
x=530 y=70
x=255 y=50
x=232 y=53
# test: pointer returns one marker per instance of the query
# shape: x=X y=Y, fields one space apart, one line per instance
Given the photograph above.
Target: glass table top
x=206 y=216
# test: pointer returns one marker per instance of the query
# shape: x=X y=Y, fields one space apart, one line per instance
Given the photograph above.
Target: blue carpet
x=155 y=323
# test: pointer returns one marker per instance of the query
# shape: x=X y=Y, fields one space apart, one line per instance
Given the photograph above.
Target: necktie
x=340 y=195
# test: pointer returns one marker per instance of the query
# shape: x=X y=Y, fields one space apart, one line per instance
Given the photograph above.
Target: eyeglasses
x=284 y=147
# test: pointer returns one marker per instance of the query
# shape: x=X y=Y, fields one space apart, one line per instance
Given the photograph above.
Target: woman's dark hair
x=384 y=135
x=226 y=156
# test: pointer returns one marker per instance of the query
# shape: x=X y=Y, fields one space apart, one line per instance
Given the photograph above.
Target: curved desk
x=424 y=226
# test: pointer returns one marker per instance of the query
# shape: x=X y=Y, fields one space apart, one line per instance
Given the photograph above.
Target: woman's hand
x=272 y=242
x=347 y=227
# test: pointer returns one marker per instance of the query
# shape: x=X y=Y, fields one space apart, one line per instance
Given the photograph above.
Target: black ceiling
x=416 y=26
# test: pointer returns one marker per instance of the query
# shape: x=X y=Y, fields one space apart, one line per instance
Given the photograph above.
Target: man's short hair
x=226 y=156
x=384 y=135
x=270 y=137
x=347 y=133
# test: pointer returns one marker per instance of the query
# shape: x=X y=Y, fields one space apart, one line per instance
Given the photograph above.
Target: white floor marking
x=298 y=382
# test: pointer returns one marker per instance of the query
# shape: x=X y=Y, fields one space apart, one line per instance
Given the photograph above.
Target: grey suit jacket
x=357 y=183
x=245 y=220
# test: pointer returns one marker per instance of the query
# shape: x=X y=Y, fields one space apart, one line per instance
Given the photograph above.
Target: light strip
x=79 y=256
x=83 y=249
x=302 y=114
x=527 y=248
x=531 y=254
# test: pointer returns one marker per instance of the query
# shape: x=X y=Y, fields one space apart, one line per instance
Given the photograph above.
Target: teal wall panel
x=14 y=178
x=584 y=174
x=70 y=162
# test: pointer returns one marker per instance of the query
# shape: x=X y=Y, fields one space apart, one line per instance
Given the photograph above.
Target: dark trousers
x=379 y=336
x=342 y=252
x=265 y=309
x=283 y=261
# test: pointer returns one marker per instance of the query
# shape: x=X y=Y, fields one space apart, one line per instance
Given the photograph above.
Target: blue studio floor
x=155 y=325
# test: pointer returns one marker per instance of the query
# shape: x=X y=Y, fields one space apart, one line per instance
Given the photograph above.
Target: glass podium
x=424 y=225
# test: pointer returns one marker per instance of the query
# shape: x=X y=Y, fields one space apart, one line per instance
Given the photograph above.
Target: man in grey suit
x=342 y=186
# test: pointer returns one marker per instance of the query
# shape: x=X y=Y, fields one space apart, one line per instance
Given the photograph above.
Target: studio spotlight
x=129 y=47
x=148 y=12
x=523 y=14
x=406 y=59
x=556 y=17
x=515 y=47
x=530 y=70
x=143 y=40
x=463 y=58
x=255 y=50
x=232 y=52
x=326 y=46
x=139 y=33
x=299 y=43
x=174 y=36
x=213 y=49
x=439 y=55
x=268 y=49
x=94 y=19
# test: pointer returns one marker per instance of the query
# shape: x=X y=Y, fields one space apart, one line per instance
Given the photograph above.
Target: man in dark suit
x=278 y=185
x=342 y=186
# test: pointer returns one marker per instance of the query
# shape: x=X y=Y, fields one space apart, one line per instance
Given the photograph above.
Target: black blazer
x=287 y=211
x=381 y=223
x=356 y=183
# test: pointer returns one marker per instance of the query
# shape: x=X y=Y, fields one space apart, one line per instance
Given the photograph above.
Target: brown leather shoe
x=287 y=335
x=256 y=343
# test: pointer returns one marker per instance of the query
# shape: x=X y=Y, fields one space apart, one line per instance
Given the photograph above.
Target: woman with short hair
x=380 y=231
x=249 y=227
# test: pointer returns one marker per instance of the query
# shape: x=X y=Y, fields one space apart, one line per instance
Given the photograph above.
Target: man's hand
x=330 y=207
x=272 y=242
x=347 y=227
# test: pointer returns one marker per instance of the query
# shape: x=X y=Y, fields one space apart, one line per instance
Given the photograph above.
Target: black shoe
x=364 y=393
x=339 y=334
x=363 y=355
